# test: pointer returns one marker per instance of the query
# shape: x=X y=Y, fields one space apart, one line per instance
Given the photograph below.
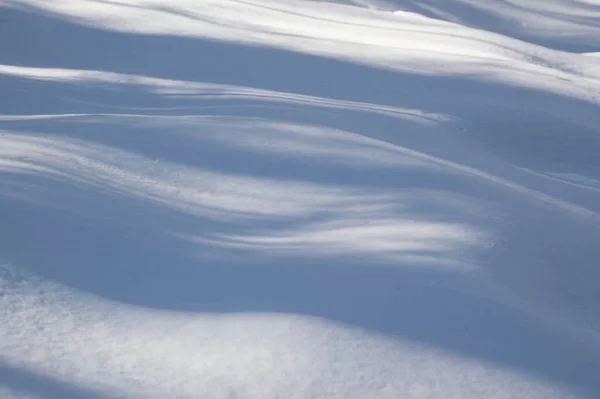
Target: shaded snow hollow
x=299 y=199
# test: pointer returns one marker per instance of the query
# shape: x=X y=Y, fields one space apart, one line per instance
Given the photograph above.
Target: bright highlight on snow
x=299 y=199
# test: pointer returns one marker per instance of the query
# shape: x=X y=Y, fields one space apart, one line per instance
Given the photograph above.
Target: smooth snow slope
x=299 y=199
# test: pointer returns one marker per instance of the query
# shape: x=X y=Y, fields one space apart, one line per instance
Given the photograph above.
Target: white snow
x=299 y=199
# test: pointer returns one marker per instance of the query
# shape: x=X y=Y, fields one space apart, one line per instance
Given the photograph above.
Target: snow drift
x=303 y=199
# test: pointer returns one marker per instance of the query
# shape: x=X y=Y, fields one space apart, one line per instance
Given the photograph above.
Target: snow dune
x=303 y=199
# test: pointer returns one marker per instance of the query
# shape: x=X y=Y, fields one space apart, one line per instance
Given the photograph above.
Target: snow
x=299 y=199
x=566 y=25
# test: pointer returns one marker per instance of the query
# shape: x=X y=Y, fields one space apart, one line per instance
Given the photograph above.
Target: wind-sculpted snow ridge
x=299 y=199
x=567 y=25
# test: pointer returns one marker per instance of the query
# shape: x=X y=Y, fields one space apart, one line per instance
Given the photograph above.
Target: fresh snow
x=299 y=199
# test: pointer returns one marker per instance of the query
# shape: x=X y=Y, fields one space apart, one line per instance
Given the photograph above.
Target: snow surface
x=299 y=199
